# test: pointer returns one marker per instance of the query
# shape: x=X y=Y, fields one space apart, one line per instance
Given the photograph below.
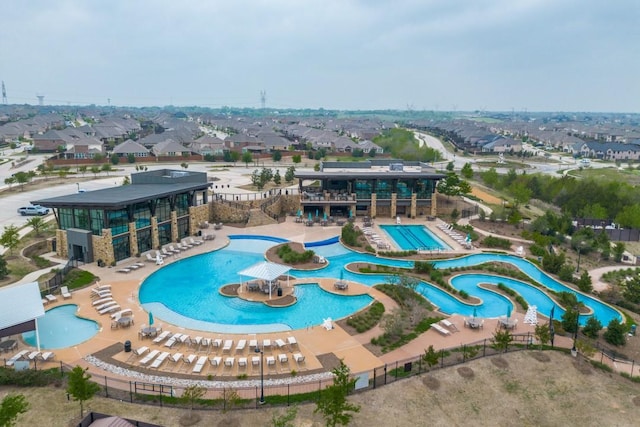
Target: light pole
x=259 y=350
x=579 y=253
x=78 y=185
x=574 y=350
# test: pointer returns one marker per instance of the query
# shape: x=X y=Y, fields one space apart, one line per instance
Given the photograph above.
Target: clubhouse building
x=158 y=207
x=375 y=188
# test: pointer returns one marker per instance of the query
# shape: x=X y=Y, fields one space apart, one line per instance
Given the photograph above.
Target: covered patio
x=265 y=275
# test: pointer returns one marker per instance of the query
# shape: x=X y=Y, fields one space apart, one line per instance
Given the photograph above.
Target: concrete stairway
x=257 y=217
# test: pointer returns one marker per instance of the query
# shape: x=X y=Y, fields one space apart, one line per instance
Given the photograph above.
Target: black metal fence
x=56 y=281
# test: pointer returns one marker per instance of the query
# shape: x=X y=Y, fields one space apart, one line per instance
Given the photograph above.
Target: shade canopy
x=20 y=305
x=265 y=270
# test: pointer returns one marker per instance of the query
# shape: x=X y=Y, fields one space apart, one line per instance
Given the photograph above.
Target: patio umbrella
x=316 y=213
x=508 y=311
x=325 y=216
x=299 y=213
x=475 y=314
x=341 y=274
x=310 y=218
x=150 y=318
x=468 y=237
x=349 y=213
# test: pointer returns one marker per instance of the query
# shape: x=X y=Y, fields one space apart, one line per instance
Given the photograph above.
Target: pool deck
x=313 y=342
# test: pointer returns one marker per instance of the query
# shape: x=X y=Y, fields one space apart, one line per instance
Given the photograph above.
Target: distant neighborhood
x=82 y=133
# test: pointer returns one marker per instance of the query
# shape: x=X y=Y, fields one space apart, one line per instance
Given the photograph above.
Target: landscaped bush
x=403 y=295
x=496 y=242
x=398 y=254
x=366 y=320
x=537 y=250
x=290 y=256
x=29 y=377
x=76 y=278
x=423 y=267
x=350 y=234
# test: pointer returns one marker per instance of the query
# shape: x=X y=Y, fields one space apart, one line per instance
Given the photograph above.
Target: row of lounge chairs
x=154 y=359
x=131 y=267
x=204 y=344
x=30 y=356
x=451 y=232
x=170 y=250
x=64 y=291
x=375 y=239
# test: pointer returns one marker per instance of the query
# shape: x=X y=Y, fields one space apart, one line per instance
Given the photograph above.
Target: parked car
x=33 y=210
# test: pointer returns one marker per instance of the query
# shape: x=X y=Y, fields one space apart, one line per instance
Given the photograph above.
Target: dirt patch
x=190 y=419
x=465 y=372
x=583 y=367
x=499 y=362
x=485 y=197
x=541 y=357
x=636 y=400
x=329 y=361
x=432 y=383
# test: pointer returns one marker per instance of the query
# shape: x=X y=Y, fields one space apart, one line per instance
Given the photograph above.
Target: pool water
x=61 y=328
x=414 y=237
x=186 y=292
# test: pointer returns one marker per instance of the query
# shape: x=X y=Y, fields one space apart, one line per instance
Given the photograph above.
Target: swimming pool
x=186 y=292
x=61 y=328
x=414 y=237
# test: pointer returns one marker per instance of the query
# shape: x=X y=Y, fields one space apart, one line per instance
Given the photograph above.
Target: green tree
x=38 y=224
x=452 y=185
x=255 y=179
x=618 y=251
x=297 y=158
x=450 y=166
x=11 y=407
x=276 y=156
x=106 y=167
x=286 y=419
x=131 y=158
x=4 y=270
x=277 y=179
x=592 y=328
x=22 y=178
x=115 y=159
x=570 y=320
x=126 y=181
x=10 y=181
x=80 y=386
x=247 y=158
x=184 y=165
x=333 y=403
x=632 y=290
x=467 y=171
x=289 y=175
x=490 y=177
x=616 y=333
x=584 y=282
x=190 y=396
x=226 y=156
x=542 y=334
x=10 y=237
x=501 y=340
x=430 y=357
x=235 y=156
x=95 y=170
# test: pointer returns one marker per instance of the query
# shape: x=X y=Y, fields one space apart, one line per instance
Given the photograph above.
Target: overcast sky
x=535 y=55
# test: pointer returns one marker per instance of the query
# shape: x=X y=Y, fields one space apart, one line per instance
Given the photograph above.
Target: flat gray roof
x=365 y=174
x=120 y=196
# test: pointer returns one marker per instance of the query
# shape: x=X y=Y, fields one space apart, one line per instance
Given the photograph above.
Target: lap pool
x=186 y=292
x=414 y=237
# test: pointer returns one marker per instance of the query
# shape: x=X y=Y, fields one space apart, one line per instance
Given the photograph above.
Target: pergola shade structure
x=267 y=271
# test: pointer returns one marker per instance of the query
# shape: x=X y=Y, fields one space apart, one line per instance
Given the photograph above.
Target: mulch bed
x=500 y=362
x=466 y=372
x=583 y=367
x=284 y=301
x=230 y=290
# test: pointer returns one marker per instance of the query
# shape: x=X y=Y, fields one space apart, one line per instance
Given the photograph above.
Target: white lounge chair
x=197 y=368
x=141 y=350
x=229 y=362
x=149 y=357
x=102 y=301
x=161 y=337
x=33 y=355
x=149 y=257
x=215 y=361
x=166 y=253
x=282 y=358
x=292 y=342
x=46 y=355
x=101 y=288
x=64 y=291
x=51 y=298
x=299 y=358
x=159 y=360
x=255 y=361
x=280 y=343
x=122 y=313
x=241 y=345
x=174 y=250
x=106 y=305
x=182 y=247
x=110 y=309
x=188 y=361
x=266 y=344
x=440 y=329
x=101 y=294
x=227 y=345
x=216 y=343
x=271 y=361
x=17 y=357
x=174 y=339
x=195 y=242
x=242 y=363
x=205 y=345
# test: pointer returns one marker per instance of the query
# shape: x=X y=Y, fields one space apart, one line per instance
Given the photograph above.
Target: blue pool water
x=186 y=292
x=414 y=237
x=61 y=328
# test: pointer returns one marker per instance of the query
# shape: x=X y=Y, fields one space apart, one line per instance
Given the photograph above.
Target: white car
x=33 y=210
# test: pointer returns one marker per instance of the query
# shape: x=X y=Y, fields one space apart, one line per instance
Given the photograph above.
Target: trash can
x=127 y=346
x=279 y=292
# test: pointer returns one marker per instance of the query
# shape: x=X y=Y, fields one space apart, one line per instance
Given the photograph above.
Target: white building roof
x=19 y=304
